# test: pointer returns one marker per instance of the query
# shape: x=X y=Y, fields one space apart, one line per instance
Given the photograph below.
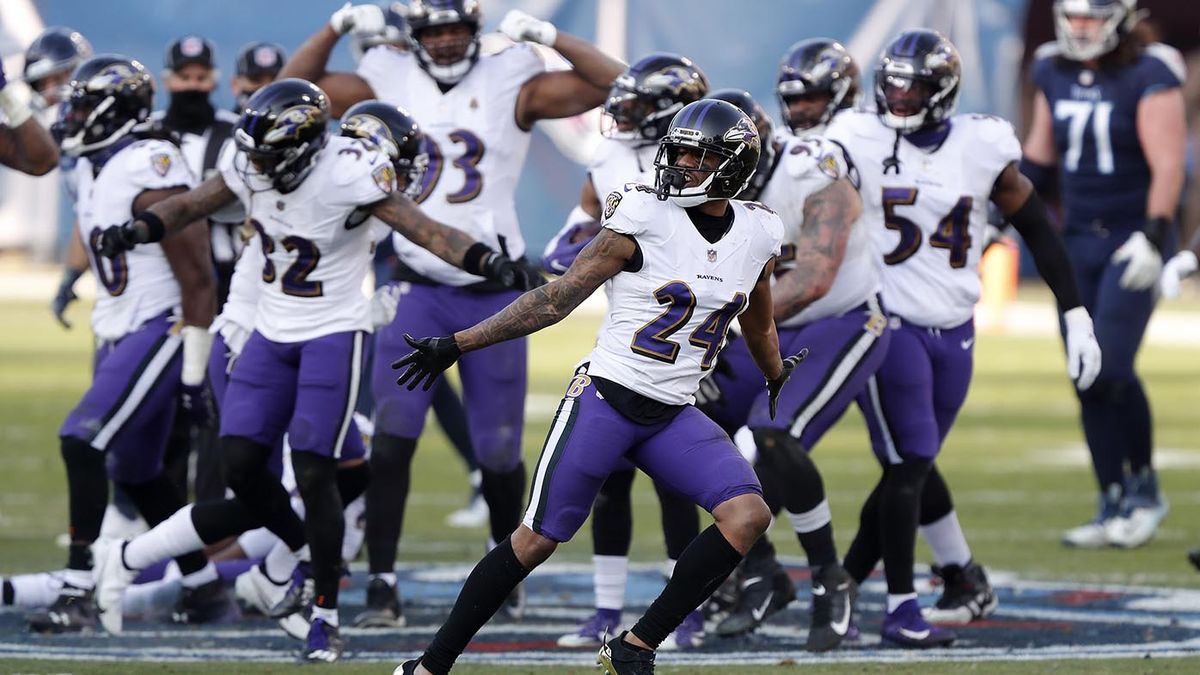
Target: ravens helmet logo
x=116 y=77
x=292 y=121
x=676 y=80
x=744 y=132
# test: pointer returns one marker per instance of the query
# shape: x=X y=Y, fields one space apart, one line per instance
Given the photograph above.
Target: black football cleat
x=383 y=607
x=73 y=611
x=966 y=595
x=203 y=604
x=833 y=595
x=762 y=594
x=618 y=657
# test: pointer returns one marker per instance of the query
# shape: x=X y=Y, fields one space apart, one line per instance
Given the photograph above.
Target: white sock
x=947 y=541
x=257 y=543
x=35 y=590
x=150 y=599
x=609 y=576
x=475 y=478
x=79 y=578
x=172 y=537
x=389 y=577
x=279 y=564
x=812 y=520
x=201 y=576
x=894 y=601
x=329 y=615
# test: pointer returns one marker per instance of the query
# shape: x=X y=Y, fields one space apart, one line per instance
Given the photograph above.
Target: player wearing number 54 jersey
x=927 y=176
x=305 y=192
x=677 y=273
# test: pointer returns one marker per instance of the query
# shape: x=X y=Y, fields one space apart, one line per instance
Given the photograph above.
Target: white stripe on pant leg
x=845 y=368
x=158 y=363
x=352 y=395
x=814 y=519
x=556 y=432
x=877 y=410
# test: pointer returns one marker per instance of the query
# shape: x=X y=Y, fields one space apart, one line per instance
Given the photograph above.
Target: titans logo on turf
x=292 y=121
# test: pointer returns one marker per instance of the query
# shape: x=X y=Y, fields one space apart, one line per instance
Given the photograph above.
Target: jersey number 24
x=654 y=339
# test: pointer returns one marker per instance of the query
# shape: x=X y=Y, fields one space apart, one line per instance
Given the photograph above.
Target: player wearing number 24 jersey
x=679 y=262
x=926 y=178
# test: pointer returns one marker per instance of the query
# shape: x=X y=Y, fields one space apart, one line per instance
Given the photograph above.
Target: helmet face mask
x=111 y=97
x=394 y=131
x=648 y=94
x=281 y=131
x=821 y=73
x=710 y=151
x=444 y=36
x=916 y=81
x=1089 y=29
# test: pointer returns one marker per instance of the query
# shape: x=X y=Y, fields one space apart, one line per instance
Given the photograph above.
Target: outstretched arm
x=166 y=217
x=404 y=216
x=829 y=215
x=758 y=326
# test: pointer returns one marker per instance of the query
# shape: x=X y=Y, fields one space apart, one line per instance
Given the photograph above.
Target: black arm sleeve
x=1049 y=253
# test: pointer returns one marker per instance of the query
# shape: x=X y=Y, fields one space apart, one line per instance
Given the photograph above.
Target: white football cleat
x=112 y=578
x=255 y=591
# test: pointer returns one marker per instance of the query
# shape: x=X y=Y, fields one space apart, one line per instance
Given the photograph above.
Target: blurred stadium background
x=1016 y=461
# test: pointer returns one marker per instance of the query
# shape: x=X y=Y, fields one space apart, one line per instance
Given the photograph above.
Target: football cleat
x=966 y=595
x=407 y=668
x=907 y=628
x=592 y=631
x=323 y=643
x=255 y=592
x=112 y=578
x=73 y=611
x=1142 y=509
x=724 y=599
x=299 y=594
x=688 y=635
x=1094 y=533
x=474 y=514
x=618 y=657
x=205 y=603
x=762 y=595
x=383 y=607
x=1194 y=557
x=833 y=596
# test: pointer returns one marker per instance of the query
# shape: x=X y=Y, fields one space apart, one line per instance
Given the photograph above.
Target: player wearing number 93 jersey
x=926 y=177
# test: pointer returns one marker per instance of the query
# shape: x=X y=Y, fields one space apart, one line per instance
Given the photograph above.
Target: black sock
x=255 y=486
x=865 y=550
x=700 y=570
x=784 y=457
x=216 y=520
x=387 y=495
x=9 y=594
x=87 y=497
x=899 y=511
x=504 y=492
x=486 y=588
x=935 y=498
x=324 y=524
x=761 y=556
x=209 y=481
x=612 y=515
x=157 y=499
x=177 y=455
x=352 y=481
x=680 y=520
x=819 y=546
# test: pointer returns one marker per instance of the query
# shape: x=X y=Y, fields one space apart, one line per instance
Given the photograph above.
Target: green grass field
x=1014 y=462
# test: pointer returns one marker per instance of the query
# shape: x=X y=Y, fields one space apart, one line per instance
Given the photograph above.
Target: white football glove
x=1143 y=263
x=520 y=26
x=1178 y=268
x=383 y=305
x=1083 y=352
x=358 y=20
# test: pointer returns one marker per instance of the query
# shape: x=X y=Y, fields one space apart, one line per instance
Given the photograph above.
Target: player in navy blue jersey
x=1109 y=116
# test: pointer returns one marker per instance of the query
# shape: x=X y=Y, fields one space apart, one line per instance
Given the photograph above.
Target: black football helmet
x=818 y=66
x=916 y=80
x=424 y=14
x=395 y=32
x=647 y=95
x=393 y=130
x=281 y=131
x=111 y=97
x=766 y=133
x=57 y=50
x=711 y=128
x=1117 y=19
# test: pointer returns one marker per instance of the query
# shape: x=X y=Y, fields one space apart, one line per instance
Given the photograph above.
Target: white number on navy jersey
x=1079 y=113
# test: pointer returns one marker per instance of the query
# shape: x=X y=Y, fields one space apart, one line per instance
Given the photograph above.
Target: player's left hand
x=117 y=239
x=1143 y=263
x=776 y=385
x=429 y=358
x=358 y=20
x=197 y=402
x=1181 y=266
x=520 y=26
x=1083 y=351
x=65 y=296
x=383 y=305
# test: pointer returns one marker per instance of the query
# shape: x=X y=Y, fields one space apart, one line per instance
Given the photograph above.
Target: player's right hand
x=1083 y=351
x=65 y=295
x=117 y=239
x=1181 y=266
x=358 y=20
x=776 y=385
x=429 y=358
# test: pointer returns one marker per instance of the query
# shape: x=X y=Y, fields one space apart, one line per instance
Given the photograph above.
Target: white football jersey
x=808 y=165
x=667 y=321
x=313 y=266
x=242 y=301
x=928 y=218
x=476 y=150
x=616 y=163
x=137 y=285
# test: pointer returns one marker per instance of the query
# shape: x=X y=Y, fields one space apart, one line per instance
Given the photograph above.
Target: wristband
x=155 y=229
x=1156 y=230
x=475 y=257
x=197 y=343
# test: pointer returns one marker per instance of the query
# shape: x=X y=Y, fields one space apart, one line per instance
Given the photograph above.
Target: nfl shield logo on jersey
x=712 y=255
x=385 y=177
x=161 y=162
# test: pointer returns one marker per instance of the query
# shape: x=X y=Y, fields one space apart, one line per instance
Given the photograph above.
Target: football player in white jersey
x=305 y=193
x=637 y=114
x=817 y=79
x=927 y=176
x=684 y=266
x=477 y=110
x=150 y=321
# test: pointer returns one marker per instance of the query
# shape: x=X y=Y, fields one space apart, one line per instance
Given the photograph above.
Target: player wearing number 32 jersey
x=679 y=262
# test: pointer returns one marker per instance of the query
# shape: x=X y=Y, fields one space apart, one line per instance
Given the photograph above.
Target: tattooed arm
x=828 y=216
x=185 y=208
x=549 y=304
x=758 y=326
x=405 y=217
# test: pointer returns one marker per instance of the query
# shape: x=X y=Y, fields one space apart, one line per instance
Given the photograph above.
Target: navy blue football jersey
x=1104 y=173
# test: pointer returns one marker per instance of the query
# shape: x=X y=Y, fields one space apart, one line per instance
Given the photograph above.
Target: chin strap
x=893 y=162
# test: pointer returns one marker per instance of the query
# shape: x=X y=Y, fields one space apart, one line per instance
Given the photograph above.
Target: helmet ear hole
x=725 y=145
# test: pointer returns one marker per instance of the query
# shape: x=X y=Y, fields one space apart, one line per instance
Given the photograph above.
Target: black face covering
x=190 y=112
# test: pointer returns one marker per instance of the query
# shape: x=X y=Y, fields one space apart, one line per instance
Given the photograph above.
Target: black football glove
x=65 y=295
x=117 y=239
x=430 y=356
x=499 y=267
x=198 y=404
x=530 y=276
x=776 y=385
